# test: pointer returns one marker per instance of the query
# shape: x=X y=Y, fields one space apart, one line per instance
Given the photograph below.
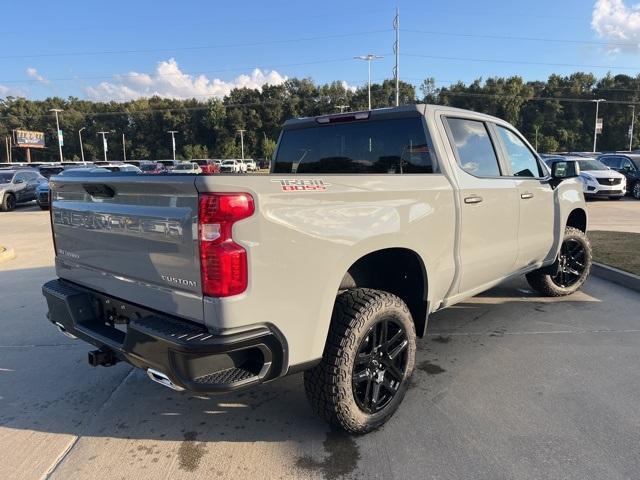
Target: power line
x=117 y=76
x=532 y=39
x=518 y=62
x=190 y=48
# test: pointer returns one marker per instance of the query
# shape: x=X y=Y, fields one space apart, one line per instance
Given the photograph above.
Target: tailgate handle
x=99 y=190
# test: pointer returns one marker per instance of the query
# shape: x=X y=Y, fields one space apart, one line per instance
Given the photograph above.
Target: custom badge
x=302 y=184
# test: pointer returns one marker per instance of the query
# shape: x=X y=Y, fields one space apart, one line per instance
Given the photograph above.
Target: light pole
x=173 y=142
x=81 y=148
x=595 y=127
x=633 y=116
x=368 y=58
x=241 y=142
x=536 y=128
x=58 y=132
x=104 y=144
x=124 y=149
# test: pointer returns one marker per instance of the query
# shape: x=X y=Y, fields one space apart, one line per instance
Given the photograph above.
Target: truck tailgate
x=133 y=237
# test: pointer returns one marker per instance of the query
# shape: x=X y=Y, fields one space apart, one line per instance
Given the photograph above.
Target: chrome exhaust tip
x=64 y=330
x=162 y=379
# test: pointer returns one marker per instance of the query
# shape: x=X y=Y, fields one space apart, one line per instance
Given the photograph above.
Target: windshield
x=228 y=162
x=6 y=177
x=147 y=167
x=376 y=146
x=591 y=165
x=184 y=167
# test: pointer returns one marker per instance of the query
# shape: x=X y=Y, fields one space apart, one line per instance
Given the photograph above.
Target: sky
x=129 y=49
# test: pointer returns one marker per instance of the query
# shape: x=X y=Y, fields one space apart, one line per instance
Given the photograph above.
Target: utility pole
x=173 y=142
x=633 y=116
x=124 y=149
x=59 y=133
x=342 y=107
x=6 y=146
x=595 y=128
x=396 y=51
x=242 y=142
x=368 y=57
x=536 y=128
x=104 y=143
x=81 y=147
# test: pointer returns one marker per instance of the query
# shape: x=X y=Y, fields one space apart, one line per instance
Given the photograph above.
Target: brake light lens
x=223 y=263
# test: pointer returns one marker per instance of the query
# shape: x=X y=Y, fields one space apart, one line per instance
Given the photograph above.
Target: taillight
x=223 y=263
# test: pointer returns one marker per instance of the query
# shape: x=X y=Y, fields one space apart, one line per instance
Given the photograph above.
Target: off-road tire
x=328 y=385
x=542 y=282
x=9 y=202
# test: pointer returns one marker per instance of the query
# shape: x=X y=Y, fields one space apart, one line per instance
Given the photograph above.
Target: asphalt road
x=616 y=215
x=508 y=385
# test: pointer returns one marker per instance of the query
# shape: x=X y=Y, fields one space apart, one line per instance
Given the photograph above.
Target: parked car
x=152 y=168
x=121 y=167
x=18 y=186
x=251 y=165
x=598 y=180
x=331 y=265
x=208 y=167
x=169 y=164
x=628 y=164
x=243 y=165
x=230 y=166
x=187 y=168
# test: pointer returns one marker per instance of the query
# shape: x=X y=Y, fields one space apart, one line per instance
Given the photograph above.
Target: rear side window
x=378 y=146
x=522 y=160
x=475 y=150
x=613 y=162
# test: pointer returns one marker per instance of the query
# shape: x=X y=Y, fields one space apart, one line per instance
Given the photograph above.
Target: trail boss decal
x=302 y=185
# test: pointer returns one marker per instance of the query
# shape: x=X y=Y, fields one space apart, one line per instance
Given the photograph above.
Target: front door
x=535 y=198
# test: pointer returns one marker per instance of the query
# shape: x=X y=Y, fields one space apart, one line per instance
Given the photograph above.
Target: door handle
x=526 y=195
x=473 y=199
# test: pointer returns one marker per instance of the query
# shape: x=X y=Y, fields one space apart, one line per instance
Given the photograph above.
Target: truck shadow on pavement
x=46 y=384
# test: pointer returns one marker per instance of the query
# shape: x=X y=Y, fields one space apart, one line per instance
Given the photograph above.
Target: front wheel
x=367 y=362
x=9 y=202
x=570 y=270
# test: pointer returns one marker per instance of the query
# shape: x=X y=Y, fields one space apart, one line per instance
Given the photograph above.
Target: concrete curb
x=7 y=254
x=615 y=275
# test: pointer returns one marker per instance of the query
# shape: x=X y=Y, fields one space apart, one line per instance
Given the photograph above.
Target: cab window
x=471 y=141
x=522 y=160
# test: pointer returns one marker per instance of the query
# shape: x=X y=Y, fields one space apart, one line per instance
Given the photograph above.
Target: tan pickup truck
x=368 y=222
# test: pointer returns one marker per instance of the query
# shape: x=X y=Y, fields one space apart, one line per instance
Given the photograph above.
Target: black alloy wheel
x=571 y=263
x=380 y=365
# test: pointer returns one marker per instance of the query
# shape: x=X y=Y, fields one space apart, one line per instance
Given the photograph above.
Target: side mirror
x=563 y=169
x=18 y=181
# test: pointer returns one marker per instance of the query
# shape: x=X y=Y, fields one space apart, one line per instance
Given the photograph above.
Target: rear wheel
x=571 y=269
x=635 y=191
x=9 y=202
x=367 y=361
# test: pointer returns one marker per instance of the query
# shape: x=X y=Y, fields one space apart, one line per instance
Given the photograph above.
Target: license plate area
x=112 y=317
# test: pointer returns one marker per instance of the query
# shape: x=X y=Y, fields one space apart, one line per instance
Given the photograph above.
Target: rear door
x=130 y=236
x=488 y=203
x=535 y=197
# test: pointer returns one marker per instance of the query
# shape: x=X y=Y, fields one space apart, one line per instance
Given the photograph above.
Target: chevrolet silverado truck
x=330 y=265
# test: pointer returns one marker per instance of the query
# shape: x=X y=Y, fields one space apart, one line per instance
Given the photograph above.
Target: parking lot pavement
x=507 y=385
x=616 y=215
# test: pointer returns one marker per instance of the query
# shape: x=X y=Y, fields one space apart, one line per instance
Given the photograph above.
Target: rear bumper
x=185 y=352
